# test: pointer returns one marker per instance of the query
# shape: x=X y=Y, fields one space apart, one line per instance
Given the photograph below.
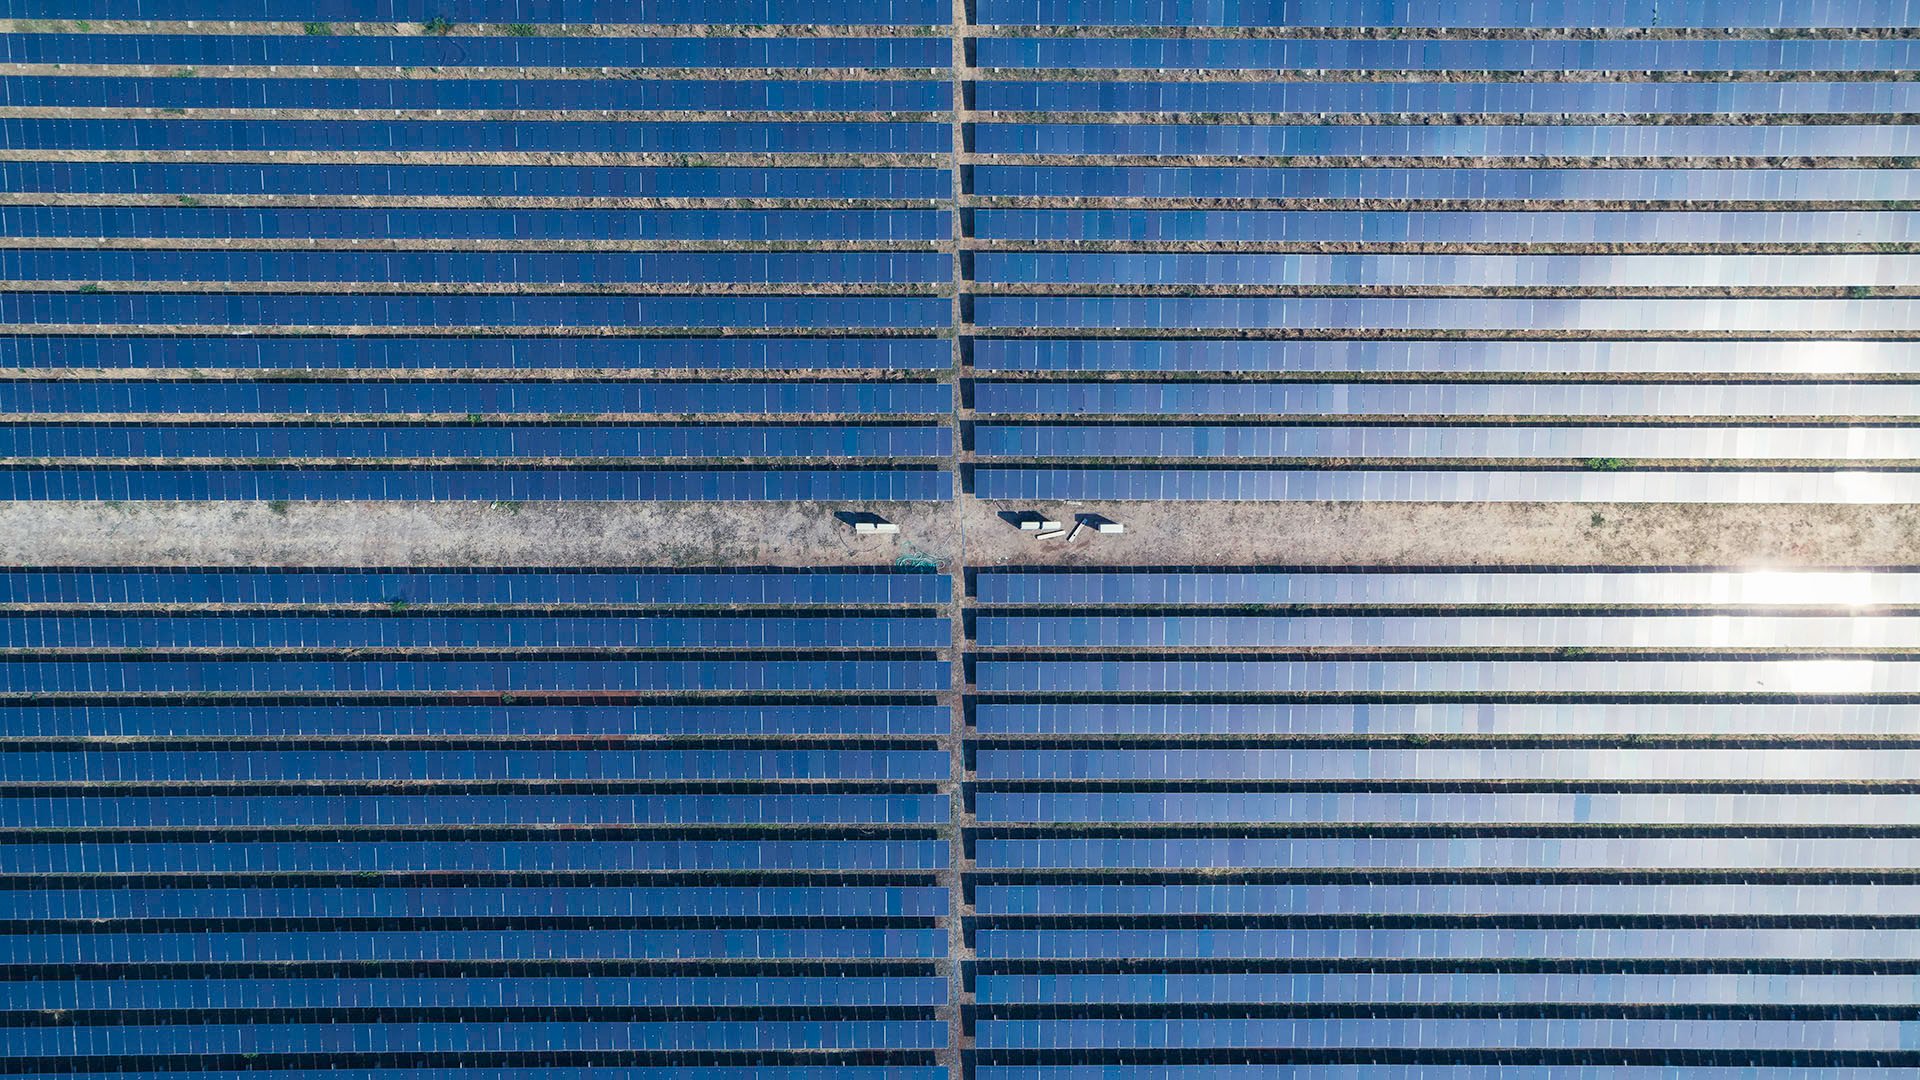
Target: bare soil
x=785 y=534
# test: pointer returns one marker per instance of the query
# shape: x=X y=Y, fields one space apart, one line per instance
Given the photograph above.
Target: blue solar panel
x=1466 y=485
x=478 y=267
x=421 y=50
x=479 y=136
x=147 y=310
x=1311 y=140
x=1443 y=54
x=1228 y=831
x=447 y=223
x=884 y=12
x=722 y=810
x=1448 y=227
x=1468 y=98
x=466 y=399
x=38 y=91
x=362 y=353
x=473 y=441
x=1577 y=14
x=505 y=485
x=1725 y=316
x=1470 y=184
x=1556 y=357
x=539 y=587
x=531 y=181
x=847 y=720
x=472 y=632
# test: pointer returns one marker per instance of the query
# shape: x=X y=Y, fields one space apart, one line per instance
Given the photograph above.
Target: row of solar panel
x=1224 y=587
x=1001 y=354
x=528 y=586
x=855 y=137
x=1613 y=853
x=846 y=901
x=1448 y=987
x=136 y=675
x=654 y=225
x=1430 y=1034
x=913 y=312
x=1342 y=808
x=1158 y=631
x=1058 y=140
x=1248 y=484
x=506 y=992
x=1605 y=443
x=127 y=92
x=1663 y=271
x=1848 y=677
x=1479 y=718
x=546 y=136
x=1315 y=1070
x=1504 y=14
x=508 y=267
x=473 y=309
x=863 y=95
x=360 y=353
x=501 y=181
x=1786 y=764
x=1773 y=315
x=1138 y=226
x=738 y=12
x=256 y=484
x=519 y=631
x=990 y=441
x=852 y=720
x=1404 y=97
x=595 y=441
x=230 y=814
x=1427 y=13
x=1755 y=899
x=502 y=631
x=1551 y=55
x=1294 y=182
x=469 y=1037
x=241 y=767
x=464 y=398
x=1121 y=354
x=337 y=1068
x=994 y=181
x=491 y=484
x=545 y=856
x=1827 y=399
x=430 y=51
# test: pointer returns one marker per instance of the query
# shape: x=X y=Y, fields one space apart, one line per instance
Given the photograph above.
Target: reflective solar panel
x=723 y=811
x=1224 y=810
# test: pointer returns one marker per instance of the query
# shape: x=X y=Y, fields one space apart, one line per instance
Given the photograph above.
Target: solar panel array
x=528 y=822
x=1439 y=252
x=583 y=251
x=1043 y=202
x=1249 y=822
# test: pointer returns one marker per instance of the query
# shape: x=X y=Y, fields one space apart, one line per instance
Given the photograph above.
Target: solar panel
x=1212 y=814
x=724 y=809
